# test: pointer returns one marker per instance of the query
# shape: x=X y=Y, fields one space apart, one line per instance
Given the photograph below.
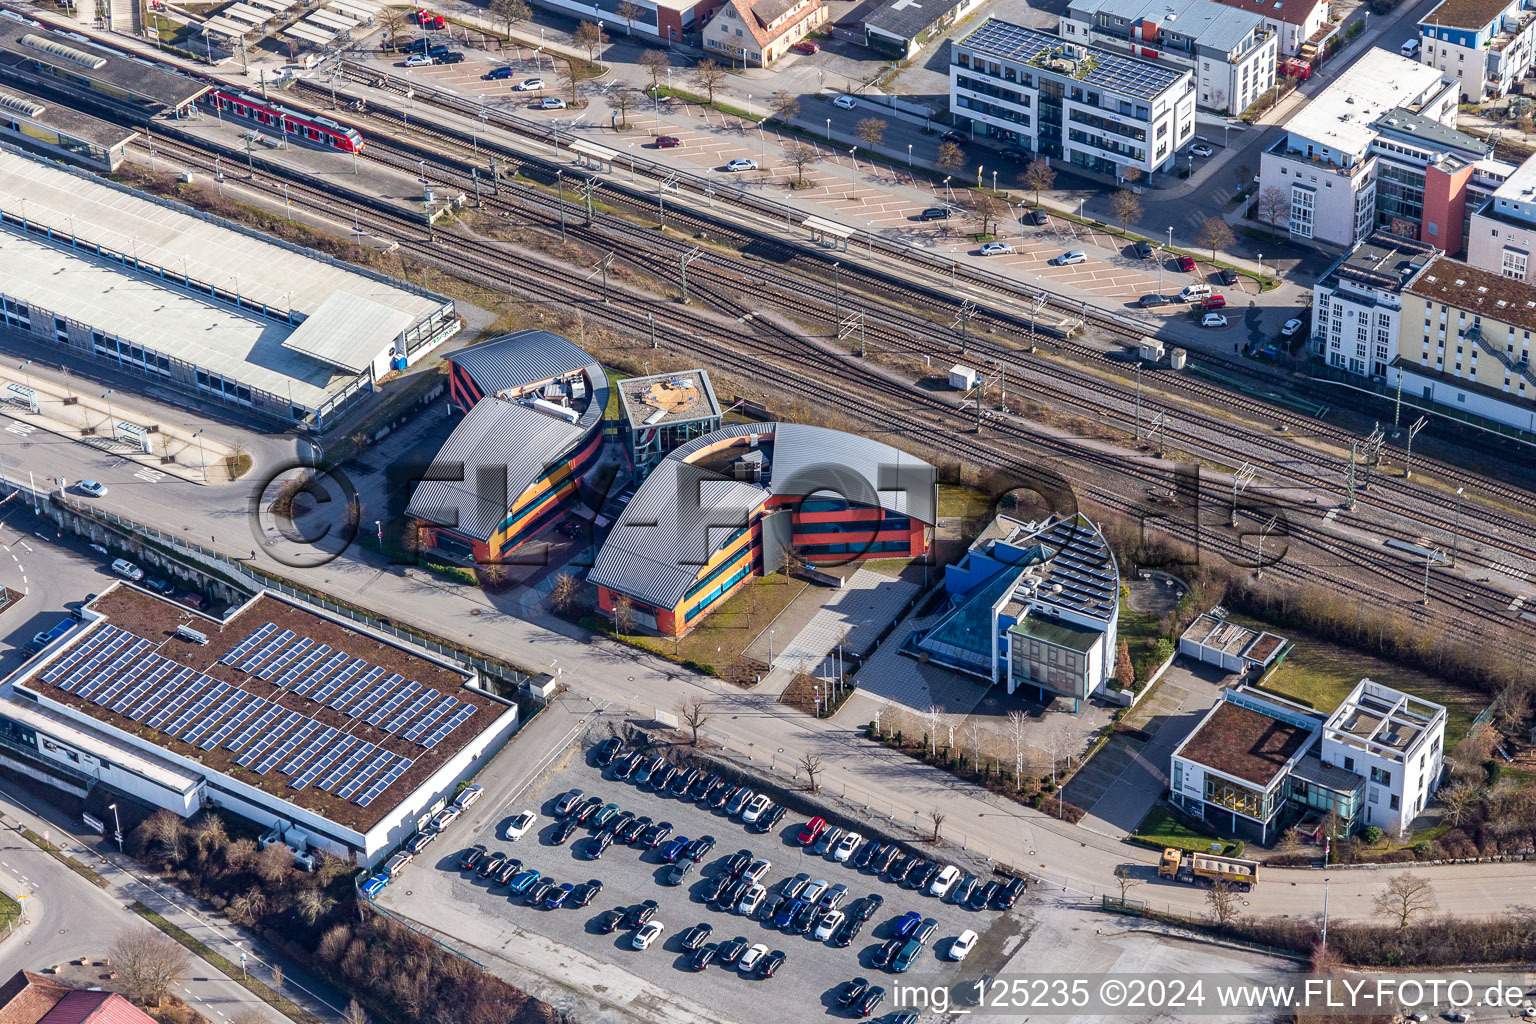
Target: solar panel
x=245 y=735
x=100 y=677
x=160 y=693
x=198 y=729
x=336 y=682
x=410 y=711
x=312 y=678
x=427 y=720
x=351 y=693
x=83 y=649
x=266 y=650
x=375 y=695
x=269 y=739
x=441 y=732
x=243 y=648
x=282 y=750
x=178 y=702
x=322 y=762
x=344 y=768
x=301 y=666
x=363 y=774
x=190 y=714
x=383 y=782
x=284 y=657
x=395 y=700
x=235 y=720
x=310 y=749
x=95 y=661
x=135 y=672
x=163 y=667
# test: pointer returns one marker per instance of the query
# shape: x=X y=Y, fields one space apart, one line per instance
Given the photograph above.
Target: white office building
x=1231 y=52
x=1502 y=233
x=1089 y=108
x=1394 y=740
x=1357 y=305
x=1486 y=45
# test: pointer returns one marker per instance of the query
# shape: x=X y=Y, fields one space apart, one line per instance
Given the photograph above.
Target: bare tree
x=275 y=863
x=707 y=75
x=1244 y=174
x=936 y=816
x=870 y=131
x=392 y=21
x=166 y=834
x=1215 y=233
x=314 y=904
x=1458 y=800
x=564 y=592
x=1126 y=879
x=655 y=63
x=590 y=38
x=1406 y=896
x=975 y=724
x=987 y=207
x=508 y=12
x=624 y=99
x=623 y=615
x=1272 y=206
x=277 y=977
x=931 y=719
x=694 y=713
x=248 y=907
x=784 y=105
x=951 y=157
x=571 y=76
x=630 y=12
x=149 y=961
x=1038 y=176
x=355 y=1013
x=800 y=155
x=811 y=765
x=1058 y=740
x=1126 y=206
x=1224 y=901
x=1017 y=721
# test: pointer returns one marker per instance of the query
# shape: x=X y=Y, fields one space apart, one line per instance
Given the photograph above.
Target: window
x=1349 y=764
x=1381 y=776
x=1514 y=264
x=1392 y=803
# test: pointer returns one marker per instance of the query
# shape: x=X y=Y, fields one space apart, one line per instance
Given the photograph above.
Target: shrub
x=1492 y=770
x=1036 y=800
x=1423 y=847
x=1371 y=834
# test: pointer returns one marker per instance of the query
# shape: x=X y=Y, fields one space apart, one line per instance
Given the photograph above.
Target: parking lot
x=813 y=971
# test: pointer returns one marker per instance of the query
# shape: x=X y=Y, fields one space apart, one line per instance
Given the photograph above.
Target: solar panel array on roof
x=226 y=704
x=441 y=732
x=243 y=648
x=1103 y=68
x=323 y=762
x=307 y=752
x=283 y=658
x=382 y=783
x=142 y=710
x=410 y=711
x=1079 y=563
x=282 y=750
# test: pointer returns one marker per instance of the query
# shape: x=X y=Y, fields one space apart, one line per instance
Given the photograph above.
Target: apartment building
x=1231 y=52
x=1326 y=162
x=1393 y=740
x=1464 y=347
x=1357 y=304
x=1502 y=230
x=1295 y=23
x=1090 y=108
x=1486 y=45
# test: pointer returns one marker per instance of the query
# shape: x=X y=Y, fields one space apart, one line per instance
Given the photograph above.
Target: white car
x=944 y=881
x=751 y=958
x=91 y=487
x=1213 y=320
x=529 y=85
x=850 y=842
x=751 y=900
x=997 y=249
x=756 y=870
x=1201 y=149
x=741 y=164
x=845 y=102
x=552 y=103
x=827 y=925
x=1288 y=331
x=519 y=826
x=417 y=60
x=468 y=797
x=446 y=817
x=812 y=893
x=961 y=945
x=1070 y=257
x=755 y=808
x=647 y=934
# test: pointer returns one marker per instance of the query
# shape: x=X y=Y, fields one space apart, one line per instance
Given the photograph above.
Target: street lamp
x=23 y=369
x=378 y=530
x=110 y=417
x=829 y=129
x=909 y=156
x=201 y=454
x=117 y=825
x=1456 y=532
x=1170 y=237
x=770 y=650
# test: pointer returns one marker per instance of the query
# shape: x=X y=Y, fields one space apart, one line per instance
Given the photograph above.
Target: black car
x=489 y=865
x=597 y=844
x=679 y=783
x=653 y=835
x=540 y=889
x=899 y=868
x=869 y=1001
x=609 y=920
x=1226 y=277
x=699 y=848
x=1143 y=250
x=563 y=831
x=769 y=906
x=640 y=913
x=730 y=952
x=738 y=862
x=721 y=796
x=867 y=854
x=702 y=785
x=804 y=919
x=471 y=857
x=1153 y=301
x=631 y=830
x=608 y=750
x=1014 y=156
x=158 y=585
x=866 y=907
x=846 y=932
x=618 y=821
x=921 y=875
x=661 y=779
x=624 y=767
x=451 y=57
x=717 y=885
x=984 y=895
x=851 y=991
x=1009 y=895
x=696 y=936
x=588 y=809
x=436 y=50
x=770 y=818
x=703 y=957
x=885 y=858
x=509 y=867
x=771 y=963
x=679 y=873
x=585 y=893
x=953 y=135
x=729 y=894
x=934 y=213
x=793 y=887
x=887 y=950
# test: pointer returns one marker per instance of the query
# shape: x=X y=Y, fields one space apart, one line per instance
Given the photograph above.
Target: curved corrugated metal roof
x=527 y=357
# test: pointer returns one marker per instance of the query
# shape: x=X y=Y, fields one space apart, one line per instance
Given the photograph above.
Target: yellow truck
x=1207 y=869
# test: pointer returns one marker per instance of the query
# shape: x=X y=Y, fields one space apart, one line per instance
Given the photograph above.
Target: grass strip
x=279 y=1002
x=64 y=858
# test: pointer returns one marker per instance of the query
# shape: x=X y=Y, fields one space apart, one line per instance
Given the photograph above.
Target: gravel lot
x=808 y=979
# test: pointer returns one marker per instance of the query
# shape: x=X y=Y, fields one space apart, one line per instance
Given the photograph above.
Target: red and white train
x=320 y=130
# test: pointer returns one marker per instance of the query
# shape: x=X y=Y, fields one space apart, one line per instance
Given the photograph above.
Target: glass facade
x=1229 y=796
x=1399 y=193
x=1034 y=662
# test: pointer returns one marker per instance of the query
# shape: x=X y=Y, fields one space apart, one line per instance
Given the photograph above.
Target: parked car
x=749 y=903
x=793 y=887
x=850 y=991
x=828 y=924
x=1225 y=276
x=699 y=848
x=491 y=863
x=608 y=750
x=679 y=873
x=1144 y=250
x=730 y=952
x=865 y=908
x=906 y=956
x=741 y=164
x=833 y=897
x=674 y=849
x=898 y=870
x=626 y=764
x=921 y=875
x=93 y=488
x=867 y=854
x=812 y=892
x=158 y=585
x=787 y=913
x=695 y=937
x=640 y=913
x=1291 y=329
x=551 y=103
x=828 y=839
x=598 y=844
x=755 y=871
x=1194 y=292
x=1009 y=894
x=984 y=895
x=604 y=812
x=519 y=826
x=540 y=890
x=869 y=1002
x=1039 y=218
x=509 y=868
x=618 y=822
x=497 y=73
x=962 y=892
x=375 y=885
x=755 y=808
x=806 y=46
x=961 y=945
x=647 y=934
x=885 y=859
x=702 y=957
x=1186 y=264
x=771 y=963
x=953 y=135
x=845 y=102
x=702 y=787
x=888 y=949
x=1213 y=320
x=1153 y=301
x=632 y=830
x=750 y=959
x=737 y=862
x=529 y=85
x=608 y=921
x=567 y=802
x=668 y=142
x=587 y=810
x=934 y=213
x=846 y=847
x=558 y=895
x=586 y=892
x=471 y=857
x=681 y=779
x=924 y=931
x=451 y=57
x=804 y=918
x=524 y=881
x=417 y=60
x=944 y=881
x=771 y=817
x=1201 y=149
x=1070 y=257
x=663 y=778
x=847 y=931
x=720 y=796
x=997 y=249
x=739 y=800
x=127 y=569
x=420 y=840
x=1214 y=302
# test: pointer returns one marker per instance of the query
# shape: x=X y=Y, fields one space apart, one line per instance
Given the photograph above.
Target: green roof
x=1058 y=632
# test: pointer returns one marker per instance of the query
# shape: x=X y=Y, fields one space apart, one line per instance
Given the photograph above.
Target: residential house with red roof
x=757 y=32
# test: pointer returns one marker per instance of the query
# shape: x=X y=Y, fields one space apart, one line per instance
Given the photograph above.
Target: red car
x=439 y=22
x=812 y=831
x=668 y=142
x=806 y=46
x=1214 y=302
x=1187 y=264
x=423 y=17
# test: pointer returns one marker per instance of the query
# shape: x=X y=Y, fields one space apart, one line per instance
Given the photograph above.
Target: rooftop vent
x=1482 y=289
x=1460 y=281
x=90 y=60
x=21 y=105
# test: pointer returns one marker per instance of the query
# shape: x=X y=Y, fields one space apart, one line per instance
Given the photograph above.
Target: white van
x=1410 y=48
x=1195 y=293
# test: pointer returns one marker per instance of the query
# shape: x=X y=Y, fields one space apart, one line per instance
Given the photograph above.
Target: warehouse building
x=339 y=737
x=532 y=431
x=198 y=304
x=739 y=501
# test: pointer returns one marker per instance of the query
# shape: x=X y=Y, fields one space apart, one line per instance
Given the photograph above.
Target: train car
x=320 y=130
